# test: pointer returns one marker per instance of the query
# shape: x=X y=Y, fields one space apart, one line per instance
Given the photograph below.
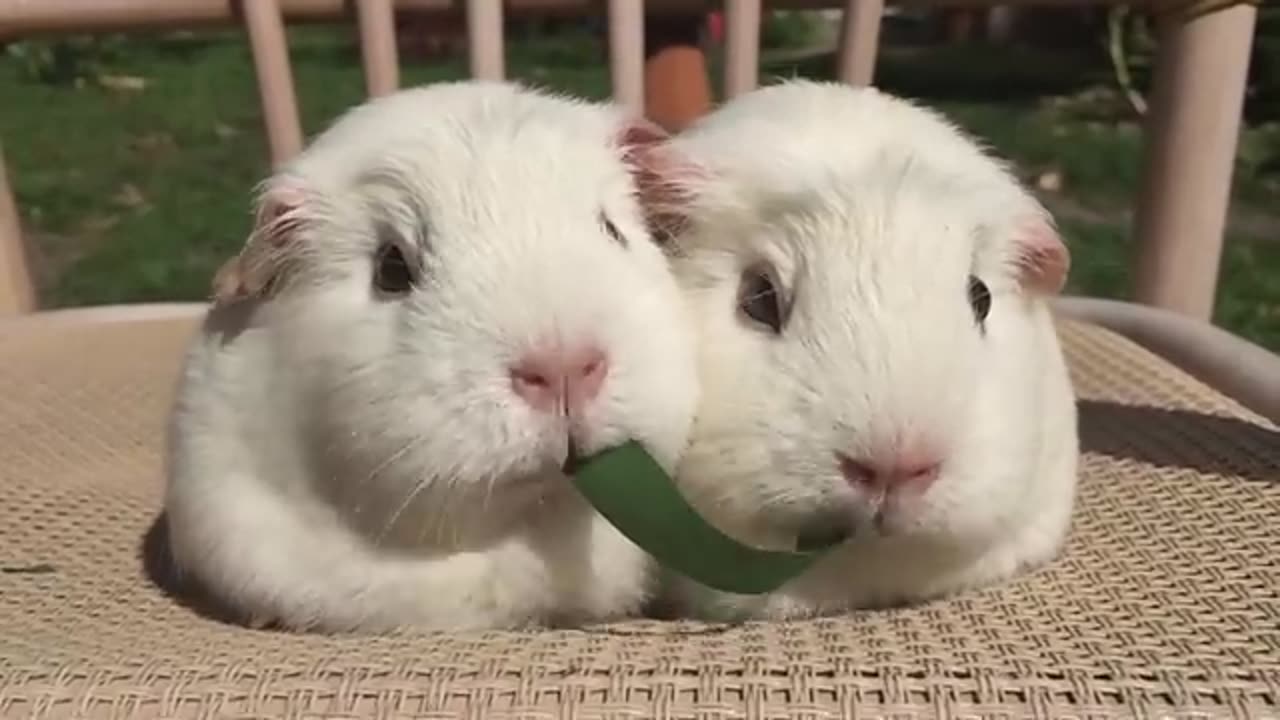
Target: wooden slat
x=742 y=46
x=1192 y=134
x=485 y=39
x=17 y=295
x=275 y=78
x=23 y=16
x=859 y=41
x=378 y=46
x=626 y=52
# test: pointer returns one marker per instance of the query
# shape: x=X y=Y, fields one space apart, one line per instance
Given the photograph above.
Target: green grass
x=138 y=195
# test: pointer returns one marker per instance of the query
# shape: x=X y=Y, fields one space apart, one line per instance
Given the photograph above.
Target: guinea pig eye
x=391 y=273
x=979 y=298
x=612 y=230
x=759 y=299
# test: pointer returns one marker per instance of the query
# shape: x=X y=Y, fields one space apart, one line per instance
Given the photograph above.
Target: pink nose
x=559 y=381
x=915 y=470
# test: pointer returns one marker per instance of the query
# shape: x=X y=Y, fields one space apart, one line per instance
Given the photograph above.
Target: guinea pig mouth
x=894 y=519
x=575 y=443
x=877 y=517
x=572 y=457
x=824 y=528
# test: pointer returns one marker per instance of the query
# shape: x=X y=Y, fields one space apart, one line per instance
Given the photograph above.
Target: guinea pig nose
x=559 y=381
x=915 y=470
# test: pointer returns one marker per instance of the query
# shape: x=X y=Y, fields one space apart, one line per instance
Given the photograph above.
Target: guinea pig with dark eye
x=451 y=292
x=877 y=354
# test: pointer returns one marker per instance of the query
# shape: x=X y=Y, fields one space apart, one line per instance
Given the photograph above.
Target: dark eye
x=979 y=298
x=391 y=273
x=612 y=230
x=759 y=300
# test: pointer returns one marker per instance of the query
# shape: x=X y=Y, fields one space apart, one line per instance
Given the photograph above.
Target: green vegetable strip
x=632 y=492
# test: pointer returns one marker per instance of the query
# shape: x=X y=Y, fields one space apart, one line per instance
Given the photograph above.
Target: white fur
x=874 y=213
x=342 y=461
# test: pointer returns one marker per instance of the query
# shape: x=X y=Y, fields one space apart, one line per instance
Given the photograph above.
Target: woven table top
x=1166 y=602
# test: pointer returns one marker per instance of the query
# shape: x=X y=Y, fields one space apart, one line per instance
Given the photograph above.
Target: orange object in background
x=677 y=88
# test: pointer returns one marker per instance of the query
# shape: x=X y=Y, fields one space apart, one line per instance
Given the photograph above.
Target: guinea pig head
x=870 y=354
x=468 y=284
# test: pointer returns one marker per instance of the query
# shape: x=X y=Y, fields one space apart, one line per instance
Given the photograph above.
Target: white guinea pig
x=445 y=296
x=877 y=352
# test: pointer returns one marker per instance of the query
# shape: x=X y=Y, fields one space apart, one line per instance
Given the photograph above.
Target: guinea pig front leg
x=272 y=559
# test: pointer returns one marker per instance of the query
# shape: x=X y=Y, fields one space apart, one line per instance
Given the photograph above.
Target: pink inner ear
x=661 y=175
x=275 y=226
x=645 y=150
x=278 y=215
x=1043 y=259
x=639 y=132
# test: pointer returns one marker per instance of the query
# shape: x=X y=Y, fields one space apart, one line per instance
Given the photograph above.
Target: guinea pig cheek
x=652 y=386
x=916 y=511
x=647 y=395
x=958 y=501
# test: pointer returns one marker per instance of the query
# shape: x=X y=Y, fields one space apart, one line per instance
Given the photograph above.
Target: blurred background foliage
x=133 y=156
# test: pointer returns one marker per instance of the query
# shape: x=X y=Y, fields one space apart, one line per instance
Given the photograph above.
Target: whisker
x=455 y=498
x=441 y=528
x=418 y=487
x=405 y=449
x=488 y=491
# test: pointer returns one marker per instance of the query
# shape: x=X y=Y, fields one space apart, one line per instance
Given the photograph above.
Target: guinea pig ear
x=1041 y=257
x=664 y=178
x=256 y=270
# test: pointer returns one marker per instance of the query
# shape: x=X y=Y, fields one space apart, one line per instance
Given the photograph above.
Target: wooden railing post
x=378 y=46
x=626 y=53
x=742 y=46
x=270 y=49
x=859 y=41
x=1192 y=136
x=485 y=39
x=17 y=294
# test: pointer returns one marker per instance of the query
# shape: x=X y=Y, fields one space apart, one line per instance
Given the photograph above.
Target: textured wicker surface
x=1165 y=604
